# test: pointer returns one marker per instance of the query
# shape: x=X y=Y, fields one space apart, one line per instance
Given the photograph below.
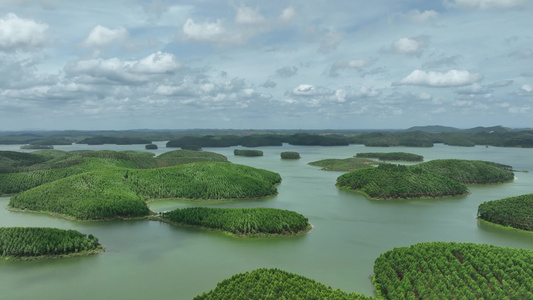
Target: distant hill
x=492 y=129
x=433 y=128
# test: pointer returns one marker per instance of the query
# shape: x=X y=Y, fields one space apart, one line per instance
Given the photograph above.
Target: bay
x=148 y=259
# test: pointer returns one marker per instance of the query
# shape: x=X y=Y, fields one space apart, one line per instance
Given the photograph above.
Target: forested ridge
x=122 y=192
x=242 y=221
x=274 y=284
x=470 y=171
x=440 y=270
x=389 y=181
x=346 y=164
x=516 y=212
x=28 y=242
x=391 y=156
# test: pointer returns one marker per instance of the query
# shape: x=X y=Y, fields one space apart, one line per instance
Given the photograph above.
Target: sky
x=338 y=64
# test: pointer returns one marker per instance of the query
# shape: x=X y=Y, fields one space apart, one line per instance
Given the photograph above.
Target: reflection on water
x=149 y=259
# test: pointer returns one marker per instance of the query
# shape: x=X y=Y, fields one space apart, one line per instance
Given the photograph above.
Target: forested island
x=439 y=270
x=245 y=152
x=274 y=284
x=290 y=155
x=515 y=212
x=31 y=243
x=254 y=222
x=93 y=185
x=436 y=178
x=400 y=156
x=344 y=165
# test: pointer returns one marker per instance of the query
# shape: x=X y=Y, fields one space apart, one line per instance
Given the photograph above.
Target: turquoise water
x=148 y=259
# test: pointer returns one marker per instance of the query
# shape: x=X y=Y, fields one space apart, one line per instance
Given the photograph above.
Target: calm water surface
x=149 y=260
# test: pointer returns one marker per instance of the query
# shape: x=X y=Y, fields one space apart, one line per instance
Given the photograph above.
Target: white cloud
x=421 y=16
x=408 y=46
x=102 y=36
x=304 y=90
x=528 y=88
x=438 y=79
x=472 y=89
x=213 y=32
x=288 y=14
x=19 y=33
x=114 y=70
x=485 y=4
x=247 y=15
x=354 y=64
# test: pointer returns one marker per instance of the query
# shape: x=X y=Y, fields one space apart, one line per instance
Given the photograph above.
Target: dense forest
x=389 y=181
x=516 y=212
x=344 y=165
x=108 y=184
x=401 y=156
x=290 y=155
x=274 y=284
x=37 y=242
x=245 y=152
x=258 y=221
x=439 y=270
x=470 y=171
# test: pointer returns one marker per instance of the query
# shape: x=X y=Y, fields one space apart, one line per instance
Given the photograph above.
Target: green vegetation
x=515 y=212
x=35 y=242
x=441 y=270
x=274 y=284
x=470 y=171
x=122 y=192
x=248 y=152
x=290 y=155
x=388 y=181
x=101 y=140
x=28 y=170
x=150 y=147
x=390 y=139
x=347 y=164
x=391 y=156
x=242 y=221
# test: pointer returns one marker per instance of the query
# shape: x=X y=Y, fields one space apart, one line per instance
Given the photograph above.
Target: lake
x=150 y=260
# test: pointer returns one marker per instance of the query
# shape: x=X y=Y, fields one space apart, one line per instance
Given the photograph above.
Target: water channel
x=153 y=260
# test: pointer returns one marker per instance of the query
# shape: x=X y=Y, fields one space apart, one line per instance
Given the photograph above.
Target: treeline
x=23 y=242
x=515 y=212
x=260 y=140
x=439 y=270
x=388 y=181
x=391 y=156
x=274 y=284
x=241 y=152
x=242 y=221
x=113 y=192
x=290 y=155
x=344 y=165
x=101 y=140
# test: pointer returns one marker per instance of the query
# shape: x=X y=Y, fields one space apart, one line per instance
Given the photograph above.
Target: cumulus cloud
x=331 y=40
x=410 y=46
x=527 y=87
x=420 y=16
x=19 y=33
x=485 y=4
x=248 y=15
x=269 y=84
x=287 y=72
x=354 y=64
x=114 y=70
x=288 y=14
x=102 y=36
x=437 y=79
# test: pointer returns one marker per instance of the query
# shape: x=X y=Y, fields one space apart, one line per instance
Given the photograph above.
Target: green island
x=470 y=171
x=252 y=222
x=96 y=185
x=33 y=243
x=449 y=270
x=512 y=212
x=251 y=153
x=401 y=156
x=290 y=155
x=389 y=181
x=151 y=147
x=343 y=165
x=274 y=284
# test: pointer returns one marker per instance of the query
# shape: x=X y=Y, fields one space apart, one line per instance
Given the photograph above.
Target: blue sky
x=345 y=64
